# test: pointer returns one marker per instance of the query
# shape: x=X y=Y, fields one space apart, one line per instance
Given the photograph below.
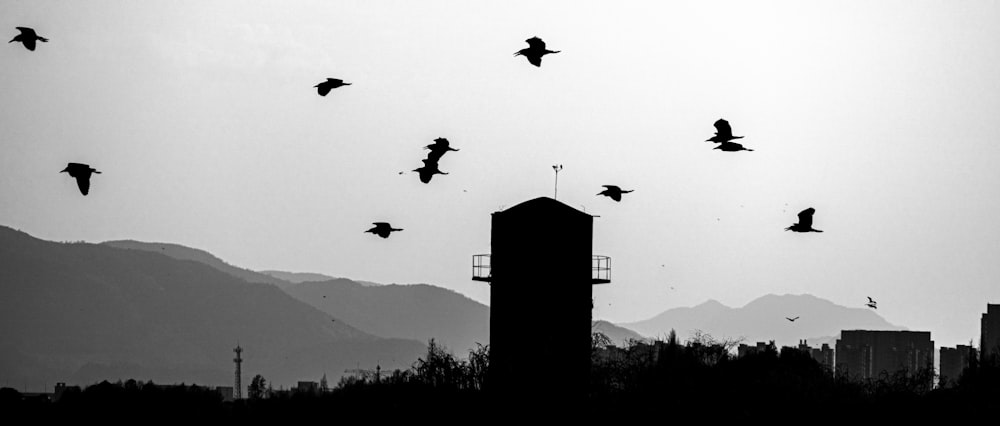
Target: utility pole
x=557 y=168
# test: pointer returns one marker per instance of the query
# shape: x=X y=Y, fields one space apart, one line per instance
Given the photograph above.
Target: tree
x=257 y=387
x=478 y=366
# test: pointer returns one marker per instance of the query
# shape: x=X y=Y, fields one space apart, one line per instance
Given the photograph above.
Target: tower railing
x=481 y=268
x=600 y=269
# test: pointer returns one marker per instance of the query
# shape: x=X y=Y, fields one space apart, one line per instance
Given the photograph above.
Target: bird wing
x=84 y=183
x=806 y=217
x=323 y=89
x=870 y=300
x=29 y=43
x=722 y=128
x=534 y=60
x=612 y=187
x=380 y=224
x=536 y=43
x=28 y=32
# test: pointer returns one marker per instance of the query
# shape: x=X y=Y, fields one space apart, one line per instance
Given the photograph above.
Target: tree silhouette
x=257 y=387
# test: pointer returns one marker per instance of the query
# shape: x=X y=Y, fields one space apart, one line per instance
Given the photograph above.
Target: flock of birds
x=534 y=52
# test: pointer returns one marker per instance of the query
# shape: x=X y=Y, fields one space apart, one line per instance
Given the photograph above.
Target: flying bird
x=428 y=171
x=382 y=229
x=792 y=319
x=535 y=50
x=614 y=192
x=723 y=133
x=330 y=84
x=871 y=303
x=28 y=37
x=82 y=173
x=731 y=147
x=805 y=222
x=439 y=148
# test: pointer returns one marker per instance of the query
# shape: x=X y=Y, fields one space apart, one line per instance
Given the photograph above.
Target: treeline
x=696 y=379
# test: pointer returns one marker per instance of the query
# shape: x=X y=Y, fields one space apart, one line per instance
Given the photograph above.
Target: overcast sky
x=202 y=116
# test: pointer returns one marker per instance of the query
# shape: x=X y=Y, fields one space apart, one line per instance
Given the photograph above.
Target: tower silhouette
x=238 y=388
x=540 y=273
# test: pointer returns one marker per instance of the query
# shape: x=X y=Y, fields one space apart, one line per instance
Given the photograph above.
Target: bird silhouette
x=731 y=147
x=382 y=229
x=723 y=133
x=805 y=222
x=82 y=173
x=792 y=319
x=28 y=37
x=614 y=192
x=428 y=171
x=330 y=84
x=439 y=148
x=871 y=303
x=535 y=50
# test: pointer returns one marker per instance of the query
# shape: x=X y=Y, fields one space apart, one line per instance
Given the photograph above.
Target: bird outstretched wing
x=380 y=224
x=323 y=89
x=534 y=60
x=806 y=217
x=612 y=187
x=536 y=43
x=29 y=43
x=84 y=183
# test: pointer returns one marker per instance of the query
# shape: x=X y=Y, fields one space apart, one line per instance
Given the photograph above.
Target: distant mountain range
x=417 y=311
x=86 y=312
x=764 y=319
x=414 y=311
x=304 y=277
x=180 y=252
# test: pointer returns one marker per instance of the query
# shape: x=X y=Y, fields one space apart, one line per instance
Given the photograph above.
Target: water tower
x=540 y=272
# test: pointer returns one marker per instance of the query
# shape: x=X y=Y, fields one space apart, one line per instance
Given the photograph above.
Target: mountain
x=763 y=319
x=618 y=335
x=417 y=311
x=81 y=312
x=180 y=252
x=301 y=277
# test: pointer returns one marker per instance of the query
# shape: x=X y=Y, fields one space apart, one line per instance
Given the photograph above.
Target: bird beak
x=64 y=170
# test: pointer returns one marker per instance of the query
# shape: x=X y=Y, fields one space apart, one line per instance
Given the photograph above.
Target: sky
x=203 y=118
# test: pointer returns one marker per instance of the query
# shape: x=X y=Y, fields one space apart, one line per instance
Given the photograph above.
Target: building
x=989 y=342
x=954 y=361
x=823 y=355
x=540 y=273
x=743 y=349
x=226 y=392
x=307 y=387
x=875 y=354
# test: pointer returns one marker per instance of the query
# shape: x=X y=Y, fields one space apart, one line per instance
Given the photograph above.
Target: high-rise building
x=953 y=362
x=873 y=354
x=989 y=342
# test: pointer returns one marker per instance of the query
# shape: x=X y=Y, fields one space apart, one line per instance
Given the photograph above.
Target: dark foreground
x=674 y=382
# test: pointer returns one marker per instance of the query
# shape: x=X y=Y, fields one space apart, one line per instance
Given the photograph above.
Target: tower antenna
x=238 y=390
x=557 y=168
